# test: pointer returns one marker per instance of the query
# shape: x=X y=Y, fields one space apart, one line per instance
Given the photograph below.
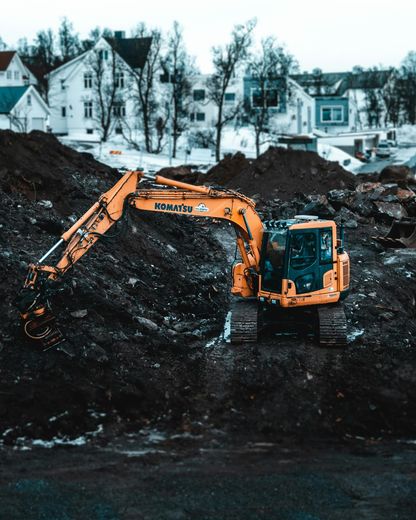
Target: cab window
x=302 y=250
x=325 y=246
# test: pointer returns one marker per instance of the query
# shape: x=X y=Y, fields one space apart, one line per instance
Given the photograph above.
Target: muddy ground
x=207 y=477
x=143 y=316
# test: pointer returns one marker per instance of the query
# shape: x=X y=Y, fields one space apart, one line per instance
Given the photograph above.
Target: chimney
x=119 y=35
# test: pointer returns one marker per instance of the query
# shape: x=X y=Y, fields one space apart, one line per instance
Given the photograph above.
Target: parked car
x=383 y=149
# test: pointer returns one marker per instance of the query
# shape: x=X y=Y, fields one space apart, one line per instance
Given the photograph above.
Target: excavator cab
x=302 y=264
x=298 y=262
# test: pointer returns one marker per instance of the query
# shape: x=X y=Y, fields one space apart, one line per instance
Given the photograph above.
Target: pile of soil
x=277 y=173
x=132 y=310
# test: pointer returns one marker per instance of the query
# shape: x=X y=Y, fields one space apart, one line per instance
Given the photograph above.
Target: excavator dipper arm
x=183 y=199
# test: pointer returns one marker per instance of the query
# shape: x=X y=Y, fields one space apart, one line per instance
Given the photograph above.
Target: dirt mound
x=277 y=173
x=131 y=310
x=280 y=173
x=40 y=167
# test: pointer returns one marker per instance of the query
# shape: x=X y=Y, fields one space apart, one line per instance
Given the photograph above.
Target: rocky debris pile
x=132 y=309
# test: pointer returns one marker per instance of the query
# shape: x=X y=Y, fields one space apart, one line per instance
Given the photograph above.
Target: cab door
x=310 y=257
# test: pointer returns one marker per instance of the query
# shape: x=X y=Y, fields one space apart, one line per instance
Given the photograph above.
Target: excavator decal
x=178 y=208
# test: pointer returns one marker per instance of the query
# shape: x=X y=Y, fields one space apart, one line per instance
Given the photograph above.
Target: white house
x=78 y=102
x=13 y=72
x=204 y=112
x=292 y=111
x=22 y=109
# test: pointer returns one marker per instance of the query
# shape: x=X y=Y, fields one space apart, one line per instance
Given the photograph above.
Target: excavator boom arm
x=180 y=198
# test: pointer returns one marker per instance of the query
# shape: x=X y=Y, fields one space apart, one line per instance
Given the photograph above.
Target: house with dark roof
x=22 y=109
x=13 y=72
x=99 y=80
x=342 y=98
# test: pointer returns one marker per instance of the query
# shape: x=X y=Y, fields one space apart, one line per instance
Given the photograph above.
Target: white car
x=383 y=149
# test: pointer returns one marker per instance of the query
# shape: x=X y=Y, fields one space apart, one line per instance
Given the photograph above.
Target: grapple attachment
x=39 y=323
x=41 y=327
x=401 y=234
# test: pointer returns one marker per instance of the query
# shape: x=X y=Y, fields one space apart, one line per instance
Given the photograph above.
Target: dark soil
x=277 y=173
x=144 y=301
x=139 y=310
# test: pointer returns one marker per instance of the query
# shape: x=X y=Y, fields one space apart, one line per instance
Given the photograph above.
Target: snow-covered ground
x=406 y=135
x=332 y=153
x=240 y=140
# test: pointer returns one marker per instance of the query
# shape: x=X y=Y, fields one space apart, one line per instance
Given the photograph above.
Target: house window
x=88 y=80
x=29 y=100
x=269 y=98
x=90 y=131
x=119 y=109
x=16 y=74
x=119 y=79
x=332 y=114
x=103 y=54
x=63 y=111
x=62 y=84
x=229 y=97
x=88 y=109
x=192 y=117
x=9 y=74
x=200 y=116
x=119 y=130
x=199 y=95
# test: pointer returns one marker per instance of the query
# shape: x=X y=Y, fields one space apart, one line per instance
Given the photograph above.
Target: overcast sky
x=331 y=34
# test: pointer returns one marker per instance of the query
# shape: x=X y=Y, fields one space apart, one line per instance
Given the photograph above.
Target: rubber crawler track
x=332 y=326
x=244 y=317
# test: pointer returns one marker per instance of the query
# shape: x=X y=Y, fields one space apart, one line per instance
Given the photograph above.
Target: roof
x=5 y=59
x=9 y=96
x=134 y=51
x=337 y=83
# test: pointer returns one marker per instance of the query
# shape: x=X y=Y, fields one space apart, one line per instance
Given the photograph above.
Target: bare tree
x=179 y=72
x=268 y=71
x=3 y=45
x=106 y=77
x=373 y=99
x=226 y=61
x=391 y=98
x=407 y=87
x=94 y=35
x=151 y=113
x=69 y=43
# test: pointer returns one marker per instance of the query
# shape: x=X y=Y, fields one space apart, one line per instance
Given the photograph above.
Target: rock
x=347 y=217
x=146 y=323
x=79 y=314
x=405 y=195
x=339 y=198
x=95 y=353
x=391 y=209
x=319 y=205
x=47 y=204
x=366 y=187
x=362 y=205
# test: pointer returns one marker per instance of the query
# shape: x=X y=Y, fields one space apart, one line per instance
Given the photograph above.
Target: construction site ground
x=146 y=411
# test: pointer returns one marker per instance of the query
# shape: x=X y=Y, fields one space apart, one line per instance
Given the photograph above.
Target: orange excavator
x=285 y=264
